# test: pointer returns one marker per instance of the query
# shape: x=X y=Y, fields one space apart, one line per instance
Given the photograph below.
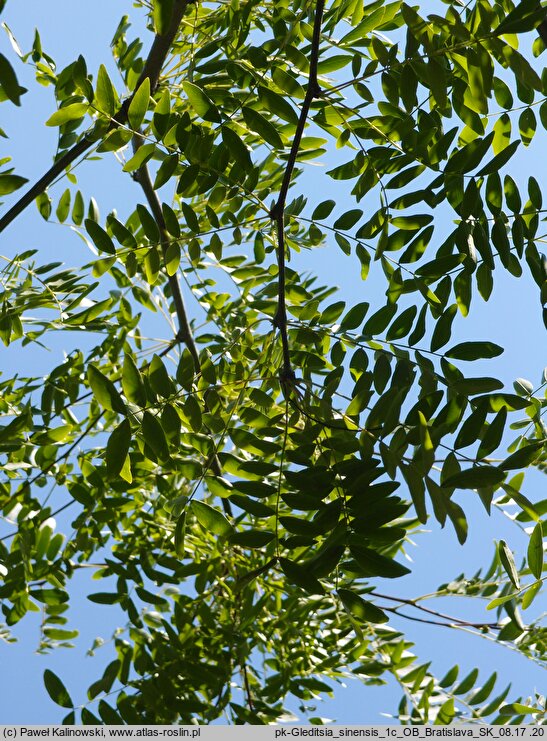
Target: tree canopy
x=247 y=474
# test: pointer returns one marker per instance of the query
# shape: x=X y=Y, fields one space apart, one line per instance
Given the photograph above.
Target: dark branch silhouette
x=277 y=213
x=184 y=334
x=152 y=69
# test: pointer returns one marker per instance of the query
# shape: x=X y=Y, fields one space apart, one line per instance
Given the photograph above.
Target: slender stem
x=247 y=687
x=152 y=69
x=436 y=613
x=277 y=214
x=184 y=333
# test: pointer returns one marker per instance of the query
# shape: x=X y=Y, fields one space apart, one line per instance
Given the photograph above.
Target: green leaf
x=446 y=713
x=474 y=351
x=257 y=509
x=104 y=390
x=495 y=402
x=210 y=518
x=372 y=563
x=333 y=63
x=370 y=23
x=508 y=563
x=180 y=534
x=277 y=104
x=63 y=207
x=117 y=448
x=524 y=17
x=148 y=223
x=105 y=94
x=252 y=538
x=9 y=183
x=287 y=83
x=56 y=690
x=201 y=103
x=475 y=478
x=358 y=608
x=154 y=436
x=493 y=435
x=458 y=520
x=78 y=209
x=172 y=258
x=466 y=158
x=166 y=170
x=192 y=410
x=472 y=386
x=141 y=157
x=236 y=147
x=71 y=112
x=87 y=316
x=323 y=210
x=535 y=551
x=348 y=220
x=132 y=382
x=163 y=10
x=59 y=634
x=354 y=317
x=517 y=708
x=139 y=105
x=8 y=81
x=402 y=324
x=104 y=598
x=467 y=683
x=498 y=601
x=483 y=693
x=301 y=576
x=378 y=322
x=501 y=159
x=159 y=378
x=171 y=220
x=101 y=239
x=531 y=593
x=524 y=503
x=523 y=457
x=261 y=126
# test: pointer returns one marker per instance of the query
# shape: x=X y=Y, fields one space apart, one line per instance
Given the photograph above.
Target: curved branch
x=184 y=334
x=277 y=214
x=451 y=621
x=152 y=70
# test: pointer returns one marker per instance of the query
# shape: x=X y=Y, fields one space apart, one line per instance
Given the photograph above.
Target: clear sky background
x=511 y=318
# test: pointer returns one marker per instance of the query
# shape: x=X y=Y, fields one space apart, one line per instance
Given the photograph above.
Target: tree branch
x=247 y=687
x=452 y=621
x=152 y=69
x=184 y=334
x=277 y=213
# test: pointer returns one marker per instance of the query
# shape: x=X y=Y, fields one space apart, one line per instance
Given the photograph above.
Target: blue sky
x=511 y=318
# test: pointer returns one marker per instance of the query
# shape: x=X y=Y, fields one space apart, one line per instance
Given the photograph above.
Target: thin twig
x=142 y=177
x=436 y=613
x=152 y=69
x=277 y=214
x=184 y=334
x=413 y=618
x=247 y=687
